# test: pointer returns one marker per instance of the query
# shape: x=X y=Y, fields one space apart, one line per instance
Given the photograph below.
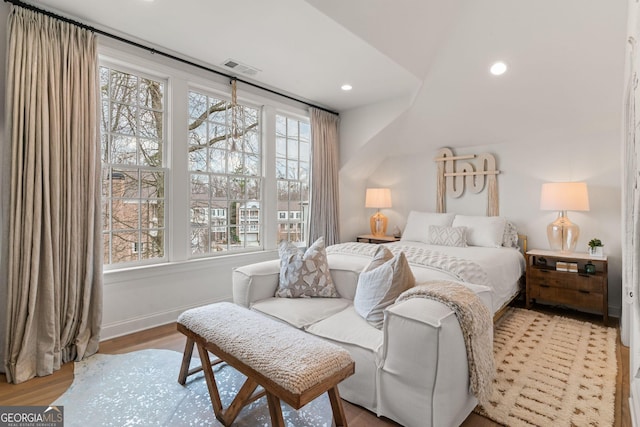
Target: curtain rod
x=158 y=52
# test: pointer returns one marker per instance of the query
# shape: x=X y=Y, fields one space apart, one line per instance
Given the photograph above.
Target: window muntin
x=133 y=117
x=293 y=156
x=225 y=176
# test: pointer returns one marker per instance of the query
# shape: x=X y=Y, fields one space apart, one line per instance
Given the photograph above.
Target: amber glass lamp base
x=378 y=223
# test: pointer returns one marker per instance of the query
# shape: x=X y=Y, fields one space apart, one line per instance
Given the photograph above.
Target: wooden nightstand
x=576 y=289
x=370 y=238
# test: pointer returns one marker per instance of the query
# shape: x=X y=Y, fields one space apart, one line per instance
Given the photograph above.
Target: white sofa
x=413 y=371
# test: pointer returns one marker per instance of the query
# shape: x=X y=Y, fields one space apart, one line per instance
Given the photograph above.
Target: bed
x=474 y=250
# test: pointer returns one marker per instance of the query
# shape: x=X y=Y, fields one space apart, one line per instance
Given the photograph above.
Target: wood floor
x=44 y=390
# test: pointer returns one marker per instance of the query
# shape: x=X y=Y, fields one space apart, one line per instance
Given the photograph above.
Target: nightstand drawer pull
x=582 y=291
x=544 y=286
x=584 y=275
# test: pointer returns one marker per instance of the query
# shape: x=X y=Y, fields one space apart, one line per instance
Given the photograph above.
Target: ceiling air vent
x=241 y=68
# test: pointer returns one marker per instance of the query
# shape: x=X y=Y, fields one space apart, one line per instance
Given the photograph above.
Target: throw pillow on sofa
x=304 y=274
x=380 y=283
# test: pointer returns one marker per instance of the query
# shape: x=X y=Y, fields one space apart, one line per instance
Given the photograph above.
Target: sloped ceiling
x=566 y=72
x=410 y=32
x=566 y=58
x=566 y=77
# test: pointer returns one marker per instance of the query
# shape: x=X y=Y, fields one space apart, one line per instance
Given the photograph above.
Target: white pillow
x=417 y=228
x=380 y=283
x=448 y=236
x=486 y=231
x=304 y=275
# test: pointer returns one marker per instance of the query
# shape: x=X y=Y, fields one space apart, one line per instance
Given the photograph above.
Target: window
x=225 y=175
x=133 y=176
x=293 y=154
x=223 y=197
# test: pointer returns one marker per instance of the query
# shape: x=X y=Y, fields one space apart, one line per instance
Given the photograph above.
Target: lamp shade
x=564 y=196
x=378 y=198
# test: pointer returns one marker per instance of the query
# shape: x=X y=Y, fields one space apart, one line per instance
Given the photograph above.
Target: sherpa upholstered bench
x=289 y=364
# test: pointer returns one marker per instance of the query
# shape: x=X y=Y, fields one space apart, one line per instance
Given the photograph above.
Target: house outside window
x=293 y=156
x=133 y=173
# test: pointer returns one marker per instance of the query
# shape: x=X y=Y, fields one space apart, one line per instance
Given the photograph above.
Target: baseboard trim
x=136 y=324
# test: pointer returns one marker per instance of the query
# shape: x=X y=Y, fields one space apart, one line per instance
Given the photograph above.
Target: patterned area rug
x=141 y=388
x=552 y=371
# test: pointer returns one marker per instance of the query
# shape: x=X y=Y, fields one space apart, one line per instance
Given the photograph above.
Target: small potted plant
x=595 y=248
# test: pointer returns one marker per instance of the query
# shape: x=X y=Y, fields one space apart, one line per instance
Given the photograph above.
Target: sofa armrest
x=255 y=282
x=424 y=356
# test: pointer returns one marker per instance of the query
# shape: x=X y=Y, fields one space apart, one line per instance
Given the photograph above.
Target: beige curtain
x=324 y=213
x=54 y=284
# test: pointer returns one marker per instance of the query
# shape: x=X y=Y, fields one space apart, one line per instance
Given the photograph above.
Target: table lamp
x=378 y=198
x=562 y=197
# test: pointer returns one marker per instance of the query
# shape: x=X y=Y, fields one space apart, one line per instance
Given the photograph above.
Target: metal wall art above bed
x=454 y=175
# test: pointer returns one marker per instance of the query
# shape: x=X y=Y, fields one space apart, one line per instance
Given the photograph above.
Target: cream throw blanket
x=476 y=324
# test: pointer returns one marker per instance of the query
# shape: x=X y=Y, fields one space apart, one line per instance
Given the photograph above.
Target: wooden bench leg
x=186 y=361
x=243 y=398
x=211 y=383
x=275 y=410
x=336 y=406
x=240 y=401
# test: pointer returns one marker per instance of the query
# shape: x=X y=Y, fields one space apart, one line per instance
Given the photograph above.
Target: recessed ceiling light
x=498 y=68
x=346 y=87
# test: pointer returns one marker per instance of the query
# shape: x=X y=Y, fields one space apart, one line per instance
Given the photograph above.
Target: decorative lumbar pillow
x=486 y=231
x=380 y=283
x=417 y=228
x=304 y=275
x=448 y=236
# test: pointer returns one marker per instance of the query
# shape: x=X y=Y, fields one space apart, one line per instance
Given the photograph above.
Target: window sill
x=162 y=269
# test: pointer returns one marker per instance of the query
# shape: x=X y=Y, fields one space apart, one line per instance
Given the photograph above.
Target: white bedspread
x=501 y=268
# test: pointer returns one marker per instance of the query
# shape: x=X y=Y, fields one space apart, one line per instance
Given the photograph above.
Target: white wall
x=524 y=166
x=140 y=298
